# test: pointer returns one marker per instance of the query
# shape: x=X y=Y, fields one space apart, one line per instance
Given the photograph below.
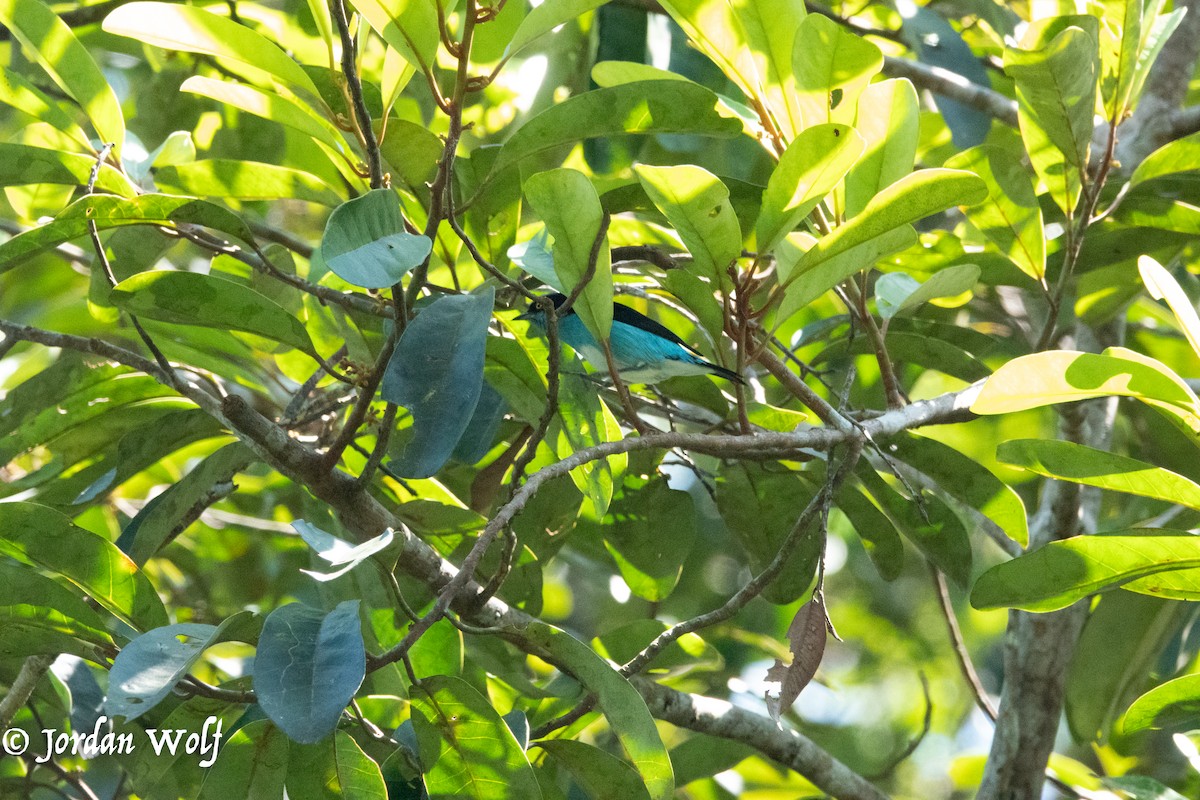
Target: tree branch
x=953 y=86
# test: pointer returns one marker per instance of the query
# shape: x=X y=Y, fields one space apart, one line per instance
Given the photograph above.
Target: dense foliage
x=277 y=453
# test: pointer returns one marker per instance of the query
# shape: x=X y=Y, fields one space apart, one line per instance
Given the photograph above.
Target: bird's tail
x=727 y=374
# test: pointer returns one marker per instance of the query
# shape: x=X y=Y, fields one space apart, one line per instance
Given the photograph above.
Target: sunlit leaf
x=1059 y=573
x=1056 y=97
x=194 y=30
x=245 y=180
x=1062 y=376
x=620 y=703
x=696 y=204
x=887 y=120
x=644 y=107
x=897 y=291
x=21 y=165
x=1010 y=217
x=40 y=535
x=832 y=67
x=51 y=43
x=567 y=202
x=466 y=749
x=1176 y=702
x=41 y=616
x=814 y=163
x=1079 y=464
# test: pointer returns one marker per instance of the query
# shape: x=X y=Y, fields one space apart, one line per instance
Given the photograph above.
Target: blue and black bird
x=643 y=350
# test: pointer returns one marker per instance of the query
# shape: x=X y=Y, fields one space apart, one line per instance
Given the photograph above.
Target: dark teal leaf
x=308 y=666
x=437 y=374
x=147 y=669
x=480 y=433
x=366 y=244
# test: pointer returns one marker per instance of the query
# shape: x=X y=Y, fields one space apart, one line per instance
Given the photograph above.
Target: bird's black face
x=535 y=312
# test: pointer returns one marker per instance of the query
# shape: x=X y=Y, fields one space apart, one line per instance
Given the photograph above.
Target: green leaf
x=308 y=666
x=602 y=775
x=1010 y=217
x=69 y=64
x=1162 y=285
x=898 y=291
x=107 y=211
x=466 y=749
x=1078 y=464
x=585 y=421
x=1063 y=376
x=21 y=165
x=912 y=198
x=752 y=44
x=436 y=372
x=147 y=669
x=22 y=95
x=139 y=448
x=410 y=27
x=68 y=394
x=877 y=532
x=158 y=520
x=619 y=701
x=649 y=561
x=1121 y=640
x=268 y=105
x=1174 y=703
x=1120 y=41
x=805 y=283
x=832 y=67
x=1062 y=572
x=696 y=204
x=887 y=121
x=40 y=535
x=190 y=298
x=688 y=652
x=813 y=164
x=194 y=30
x=253 y=762
x=929 y=524
x=366 y=244
x=544 y=18
x=567 y=202
x=1056 y=97
x=245 y=180
x=1181 y=155
x=333 y=769
x=643 y=107
x=760 y=508
x=966 y=480
x=1154 y=36
x=40 y=616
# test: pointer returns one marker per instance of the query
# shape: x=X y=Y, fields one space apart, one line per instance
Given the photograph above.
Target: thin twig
x=361 y=114
x=961 y=654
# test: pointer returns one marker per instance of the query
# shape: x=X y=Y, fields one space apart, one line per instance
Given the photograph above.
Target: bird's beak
x=528 y=315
